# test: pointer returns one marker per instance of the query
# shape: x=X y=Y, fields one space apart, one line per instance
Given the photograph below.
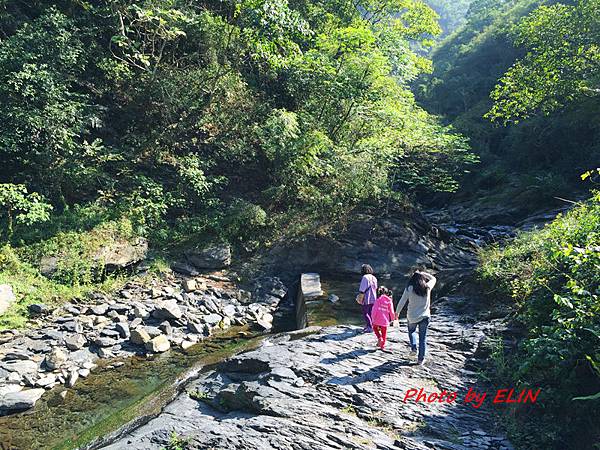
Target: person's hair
x=382 y=290
x=419 y=284
x=366 y=269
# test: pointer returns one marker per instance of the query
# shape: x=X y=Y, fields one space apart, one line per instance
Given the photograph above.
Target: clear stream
x=113 y=396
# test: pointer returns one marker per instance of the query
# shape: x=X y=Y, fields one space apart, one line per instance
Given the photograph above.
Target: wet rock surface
x=142 y=318
x=334 y=390
x=393 y=245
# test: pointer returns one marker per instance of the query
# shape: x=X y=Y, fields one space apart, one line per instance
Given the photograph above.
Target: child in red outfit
x=382 y=315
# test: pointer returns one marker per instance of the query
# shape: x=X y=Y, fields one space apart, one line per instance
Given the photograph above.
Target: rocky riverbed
x=330 y=388
x=142 y=318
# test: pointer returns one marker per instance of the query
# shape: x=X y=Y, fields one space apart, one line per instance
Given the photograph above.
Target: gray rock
x=48 y=265
x=19 y=401
x=121 y=254
x=153 y=331
x=185 y=269
x=216 y=256
x=75 y=342
x=140 y=312
x=99 y=310
x=46 y=381
x=73 y=327
x=17 y=353
x=104 y=342
x=265 y=321
x=73 y=310
x=229 y=311
x=123 y=329
x=55 y=335
x=166 y=327
x=158 y=344
x=139 y=336
x=188 y=285
x=187 y=344
x=109 y=332
x=212 y=319
x=9 y=388
x=7 y=297
x=105 y=353
x=56 y=358
x=167 y=310
x=72 y=378
x=38 y=309
x=195 y=327
x=120 y=308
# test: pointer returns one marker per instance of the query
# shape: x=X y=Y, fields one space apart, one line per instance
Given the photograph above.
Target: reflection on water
x=345 y=311
x=108 y=398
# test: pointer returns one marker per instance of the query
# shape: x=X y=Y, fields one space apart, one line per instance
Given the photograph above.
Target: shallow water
x=113 y=396
x=345 y=311
x=110 y=397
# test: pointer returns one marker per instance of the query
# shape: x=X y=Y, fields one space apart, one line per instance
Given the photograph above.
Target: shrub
x=553 y=275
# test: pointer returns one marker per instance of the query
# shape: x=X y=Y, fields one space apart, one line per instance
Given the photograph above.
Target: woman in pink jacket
x=382 y=315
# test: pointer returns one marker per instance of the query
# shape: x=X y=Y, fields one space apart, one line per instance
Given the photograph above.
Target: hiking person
x=418 y=296
x=382 y=314
x=367 y=295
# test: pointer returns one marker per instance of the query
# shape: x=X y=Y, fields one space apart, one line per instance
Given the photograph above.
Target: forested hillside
x=161 y=109
x=452 y=14
x=190 y=120
x=544 y=155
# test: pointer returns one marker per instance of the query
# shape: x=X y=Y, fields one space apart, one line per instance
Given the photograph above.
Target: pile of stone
x=173 y=311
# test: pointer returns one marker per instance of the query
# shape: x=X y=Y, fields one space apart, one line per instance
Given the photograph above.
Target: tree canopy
x=184 y=109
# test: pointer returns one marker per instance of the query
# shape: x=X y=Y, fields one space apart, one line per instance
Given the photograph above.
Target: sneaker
x=413 y=355
x=421 y=362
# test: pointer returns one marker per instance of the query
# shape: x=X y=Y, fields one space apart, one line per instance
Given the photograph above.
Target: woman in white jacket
x=418 y=296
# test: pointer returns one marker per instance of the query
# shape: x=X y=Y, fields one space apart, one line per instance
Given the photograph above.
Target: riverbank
x=141 y=319
x=332 y=389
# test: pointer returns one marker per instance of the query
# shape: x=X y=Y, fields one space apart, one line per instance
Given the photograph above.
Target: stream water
x=120 y=391
x=321 y=311
x=116 y=393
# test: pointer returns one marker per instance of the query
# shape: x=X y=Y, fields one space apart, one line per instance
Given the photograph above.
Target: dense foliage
x=207 y=114
x=553 y=275
x=510 y=61
x=562 y=63
x=452 y=13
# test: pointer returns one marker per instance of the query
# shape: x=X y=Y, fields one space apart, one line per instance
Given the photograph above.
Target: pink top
x=383 y=311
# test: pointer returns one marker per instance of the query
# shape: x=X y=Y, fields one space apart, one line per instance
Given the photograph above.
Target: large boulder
x=167 y=310
x=19 y=401
x=48 y=265
x=215 y=256
x=75 y=342
x=20 y=367
x=122 y=253
x=158 y=345
x=139 y=336
x=56 y=358
x=7 y=297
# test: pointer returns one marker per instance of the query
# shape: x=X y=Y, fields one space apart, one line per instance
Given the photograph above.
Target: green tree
x=562 y=63
x=21 y=207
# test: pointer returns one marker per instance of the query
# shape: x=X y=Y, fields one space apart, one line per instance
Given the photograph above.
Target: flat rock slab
x=333 y=390
x=19 y=401
x=310 y=285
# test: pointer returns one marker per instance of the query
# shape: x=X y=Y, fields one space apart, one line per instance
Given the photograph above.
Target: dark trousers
x=366 y=312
